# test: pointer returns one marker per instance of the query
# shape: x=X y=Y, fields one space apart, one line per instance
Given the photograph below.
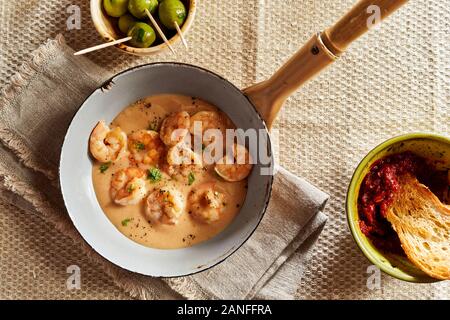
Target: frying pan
x=255 y=107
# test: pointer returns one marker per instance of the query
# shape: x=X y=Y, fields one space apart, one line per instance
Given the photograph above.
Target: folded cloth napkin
x=35 y=111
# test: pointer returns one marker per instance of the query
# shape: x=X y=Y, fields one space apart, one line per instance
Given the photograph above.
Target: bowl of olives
x=116 y=19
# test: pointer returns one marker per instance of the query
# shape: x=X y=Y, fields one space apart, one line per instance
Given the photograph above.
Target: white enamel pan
x=255 y=107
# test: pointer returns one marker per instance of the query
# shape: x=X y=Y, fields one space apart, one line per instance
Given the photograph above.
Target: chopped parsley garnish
x=105 y=166
x=191 y=178
x=126 y=221
x=203 y=146
x=139 y=146
x=154 y=175
x=130 y=188
x=153 y=125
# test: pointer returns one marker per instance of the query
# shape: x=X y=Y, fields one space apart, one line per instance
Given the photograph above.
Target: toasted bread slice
x=422 y=223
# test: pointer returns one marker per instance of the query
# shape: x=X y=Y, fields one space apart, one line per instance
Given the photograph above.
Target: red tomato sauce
x=379 y=187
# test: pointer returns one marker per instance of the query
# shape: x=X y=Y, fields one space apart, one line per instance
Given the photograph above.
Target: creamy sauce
x=130 y=220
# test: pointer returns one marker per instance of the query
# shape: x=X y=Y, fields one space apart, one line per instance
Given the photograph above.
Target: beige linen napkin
x=35 y=111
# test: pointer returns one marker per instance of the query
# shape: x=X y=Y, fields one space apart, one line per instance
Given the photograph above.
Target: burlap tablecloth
x=393 y=81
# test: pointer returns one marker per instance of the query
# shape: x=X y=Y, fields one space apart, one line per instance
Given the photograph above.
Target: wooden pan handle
x=356 y=22
x=322 y=50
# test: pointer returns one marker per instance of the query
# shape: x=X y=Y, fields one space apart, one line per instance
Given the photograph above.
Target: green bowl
x=426 y=145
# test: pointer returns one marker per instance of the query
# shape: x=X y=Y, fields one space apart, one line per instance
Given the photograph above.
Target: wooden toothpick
x=101 y=46
x=159 y=30
x=180 y=34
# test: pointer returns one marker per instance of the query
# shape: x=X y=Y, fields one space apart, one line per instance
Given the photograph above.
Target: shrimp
x=128 y=186
x=174 y=128
x=165 y=205
x=237 y=167
x=107 y=144
x=208 y=120
x=181 y=162
x=146 y=147
x=206 y=203
x=182 y=155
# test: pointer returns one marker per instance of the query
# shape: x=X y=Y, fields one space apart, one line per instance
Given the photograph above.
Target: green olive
x=137 y=7
x=126 y=22
x=143 y=35
x=115 y=8
x=171 y=11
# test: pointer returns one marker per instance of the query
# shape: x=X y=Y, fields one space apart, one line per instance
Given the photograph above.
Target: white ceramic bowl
x=76 y=169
